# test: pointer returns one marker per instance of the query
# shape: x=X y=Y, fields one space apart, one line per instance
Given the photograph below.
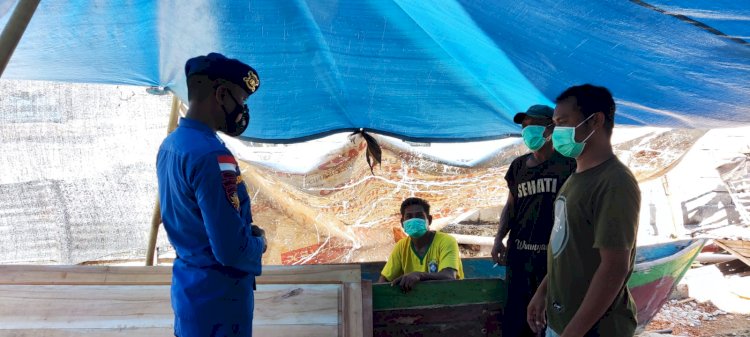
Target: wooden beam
x=84 y=275
x=709 y=258
x=367 y=324
x=14 y=29
x=162 y=275
x=174 y=115
x=473 y=239
x=352 y=313
x=62 y=332
x=738 y=248
x=87 y=307
x=313 y=274
x=153 y=232
x=295 y=304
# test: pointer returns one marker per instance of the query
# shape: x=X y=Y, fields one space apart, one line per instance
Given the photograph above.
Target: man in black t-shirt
x=533 y=180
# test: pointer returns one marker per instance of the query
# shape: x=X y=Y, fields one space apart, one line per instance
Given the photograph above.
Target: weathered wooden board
x=738 y=248
x=460 y=320
x=367 y=322
x=60 y=310
x=265 y=331
x=352 y=310
x=161 y=275
x=439 y=293
x=309 y=300
x=107 y=332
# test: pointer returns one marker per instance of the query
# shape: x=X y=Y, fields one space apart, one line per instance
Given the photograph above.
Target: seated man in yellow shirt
x=424 y=255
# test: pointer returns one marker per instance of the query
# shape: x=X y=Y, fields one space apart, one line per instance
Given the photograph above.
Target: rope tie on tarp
x=374 y=153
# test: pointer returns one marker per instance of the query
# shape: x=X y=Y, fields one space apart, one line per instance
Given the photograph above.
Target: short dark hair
x=415 y=201
x=590 y=100
x=200 y=86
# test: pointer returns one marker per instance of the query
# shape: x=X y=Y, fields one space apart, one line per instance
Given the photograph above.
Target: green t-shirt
x=597 y=208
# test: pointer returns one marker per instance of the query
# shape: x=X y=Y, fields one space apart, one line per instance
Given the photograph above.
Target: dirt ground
x=679 y=316
x=478 y=228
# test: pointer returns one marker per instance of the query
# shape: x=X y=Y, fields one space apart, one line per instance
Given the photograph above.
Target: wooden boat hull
x=658 y=269
x=474 y=306
x=738 y=248
x=439 y=309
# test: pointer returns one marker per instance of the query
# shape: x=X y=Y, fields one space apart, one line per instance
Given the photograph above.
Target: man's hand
x=535 y=312
x=407 y=282
x=257 y=231
x=499 y=253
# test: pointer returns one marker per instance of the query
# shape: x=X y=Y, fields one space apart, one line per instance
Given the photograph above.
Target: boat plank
x=445 y=314
x=108 y=307
x=352 y=309
x=439 y=293
x=367 y=315
x=265 y=330
x=464 y=328
x=162 y=275
x=738 y=248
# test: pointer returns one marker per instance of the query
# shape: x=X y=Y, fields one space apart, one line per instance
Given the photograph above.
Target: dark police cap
x=215 y=65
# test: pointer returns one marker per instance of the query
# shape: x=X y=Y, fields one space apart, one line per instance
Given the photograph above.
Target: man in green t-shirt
x=591 y=250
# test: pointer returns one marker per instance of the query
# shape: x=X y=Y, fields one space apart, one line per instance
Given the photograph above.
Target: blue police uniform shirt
x=205 y=209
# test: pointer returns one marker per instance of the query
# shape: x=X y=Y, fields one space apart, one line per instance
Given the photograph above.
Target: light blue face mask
x=533 y=137
x=564 y=140
x=415 y=227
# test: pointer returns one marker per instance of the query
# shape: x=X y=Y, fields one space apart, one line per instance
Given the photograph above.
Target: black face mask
x=234 y=128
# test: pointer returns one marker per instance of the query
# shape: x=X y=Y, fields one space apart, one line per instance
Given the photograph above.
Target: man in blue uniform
x=205 y=206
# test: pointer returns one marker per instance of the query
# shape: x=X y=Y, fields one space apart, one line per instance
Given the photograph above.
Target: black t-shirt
x=534 y=190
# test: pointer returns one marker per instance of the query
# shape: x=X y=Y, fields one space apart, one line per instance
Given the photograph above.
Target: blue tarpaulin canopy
x=445 y=70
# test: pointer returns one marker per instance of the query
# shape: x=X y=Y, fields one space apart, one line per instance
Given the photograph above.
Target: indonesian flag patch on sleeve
x=229 y=179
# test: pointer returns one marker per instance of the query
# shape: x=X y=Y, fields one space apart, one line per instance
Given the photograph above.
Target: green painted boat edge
x=474 y=268
x=482 y=267
x=438 y=294
x=675 y=265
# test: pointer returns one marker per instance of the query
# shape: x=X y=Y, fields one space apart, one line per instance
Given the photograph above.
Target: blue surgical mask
x=533 y=137
x=564 y=140
x=415 y=227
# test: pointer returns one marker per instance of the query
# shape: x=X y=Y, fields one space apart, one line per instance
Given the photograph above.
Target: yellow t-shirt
x=442 y=253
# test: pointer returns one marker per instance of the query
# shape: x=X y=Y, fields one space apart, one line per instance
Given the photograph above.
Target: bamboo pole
x=156 y=217
x=676 y=232
x=473 y=239
x=14 y=30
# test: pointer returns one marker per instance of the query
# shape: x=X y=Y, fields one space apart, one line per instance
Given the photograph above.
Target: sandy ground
x=698 y=320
